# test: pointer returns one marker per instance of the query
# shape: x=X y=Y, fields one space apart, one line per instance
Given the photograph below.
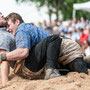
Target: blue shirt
x=28 y=35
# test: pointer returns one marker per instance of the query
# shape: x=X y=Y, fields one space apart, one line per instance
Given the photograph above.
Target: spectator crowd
x=76 y=29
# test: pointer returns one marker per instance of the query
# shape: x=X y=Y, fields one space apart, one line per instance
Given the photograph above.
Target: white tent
x=82 y=6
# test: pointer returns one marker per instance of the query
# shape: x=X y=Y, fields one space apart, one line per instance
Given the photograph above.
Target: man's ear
x=17 y=22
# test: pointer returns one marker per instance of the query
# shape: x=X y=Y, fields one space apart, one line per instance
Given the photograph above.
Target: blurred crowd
x=77 y=29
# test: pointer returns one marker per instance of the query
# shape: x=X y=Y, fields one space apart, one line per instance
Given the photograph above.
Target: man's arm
x=4 y=69
x=17 y=54
x=4 y=72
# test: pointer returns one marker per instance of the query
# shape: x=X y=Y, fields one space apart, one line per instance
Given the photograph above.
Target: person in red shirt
x=83 y=36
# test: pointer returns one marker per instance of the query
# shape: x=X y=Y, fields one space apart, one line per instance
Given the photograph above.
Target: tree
x=54 y=6
x=80 y=13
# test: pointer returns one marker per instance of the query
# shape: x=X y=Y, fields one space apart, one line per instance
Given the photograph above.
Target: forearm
x=4 y=72
x=17 y=54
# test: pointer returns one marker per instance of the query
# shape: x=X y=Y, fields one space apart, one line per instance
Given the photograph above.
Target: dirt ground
x=72 y=81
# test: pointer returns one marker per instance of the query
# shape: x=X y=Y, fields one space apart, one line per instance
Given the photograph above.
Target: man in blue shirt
x=32 y=46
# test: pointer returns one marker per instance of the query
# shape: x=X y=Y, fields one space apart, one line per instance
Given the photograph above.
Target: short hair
x=14 y=16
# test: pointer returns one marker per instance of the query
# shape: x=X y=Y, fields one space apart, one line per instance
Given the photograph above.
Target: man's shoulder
x=4 y=35
x=24 y=25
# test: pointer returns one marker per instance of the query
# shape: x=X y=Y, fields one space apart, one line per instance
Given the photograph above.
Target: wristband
x=3 y=57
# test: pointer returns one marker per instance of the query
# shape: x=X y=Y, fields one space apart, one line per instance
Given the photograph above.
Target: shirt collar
x=21 y=25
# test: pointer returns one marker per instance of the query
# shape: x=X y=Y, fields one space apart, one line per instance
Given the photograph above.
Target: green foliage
x=84 y=14
x=54 y=6
x=67 y=9
x=80 y=13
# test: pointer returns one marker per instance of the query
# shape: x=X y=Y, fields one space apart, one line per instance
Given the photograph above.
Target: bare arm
x=17 y=54
x=4 y=72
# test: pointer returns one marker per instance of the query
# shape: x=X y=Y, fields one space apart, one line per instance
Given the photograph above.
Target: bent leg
x=53 y=50
x=78 y=65
x=52 y=54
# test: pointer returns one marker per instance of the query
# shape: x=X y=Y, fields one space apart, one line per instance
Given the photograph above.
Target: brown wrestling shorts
x=22 y=71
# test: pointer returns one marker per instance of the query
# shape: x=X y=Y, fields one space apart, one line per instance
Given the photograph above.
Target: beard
x=3 y=23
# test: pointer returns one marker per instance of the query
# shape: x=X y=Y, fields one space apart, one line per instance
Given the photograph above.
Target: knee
x=78 y=65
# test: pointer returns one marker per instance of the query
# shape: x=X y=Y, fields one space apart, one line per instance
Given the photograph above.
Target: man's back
x=7 y=41
x=31 y=33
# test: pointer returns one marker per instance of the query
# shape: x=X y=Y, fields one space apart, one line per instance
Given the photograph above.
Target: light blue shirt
x=28 y=35
x=7 y=41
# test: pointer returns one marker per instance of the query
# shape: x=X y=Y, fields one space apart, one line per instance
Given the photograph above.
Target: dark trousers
x=77 y=65
x=44 y=53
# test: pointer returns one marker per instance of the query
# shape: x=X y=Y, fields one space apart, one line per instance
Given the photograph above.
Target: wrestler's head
x=3 y=22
